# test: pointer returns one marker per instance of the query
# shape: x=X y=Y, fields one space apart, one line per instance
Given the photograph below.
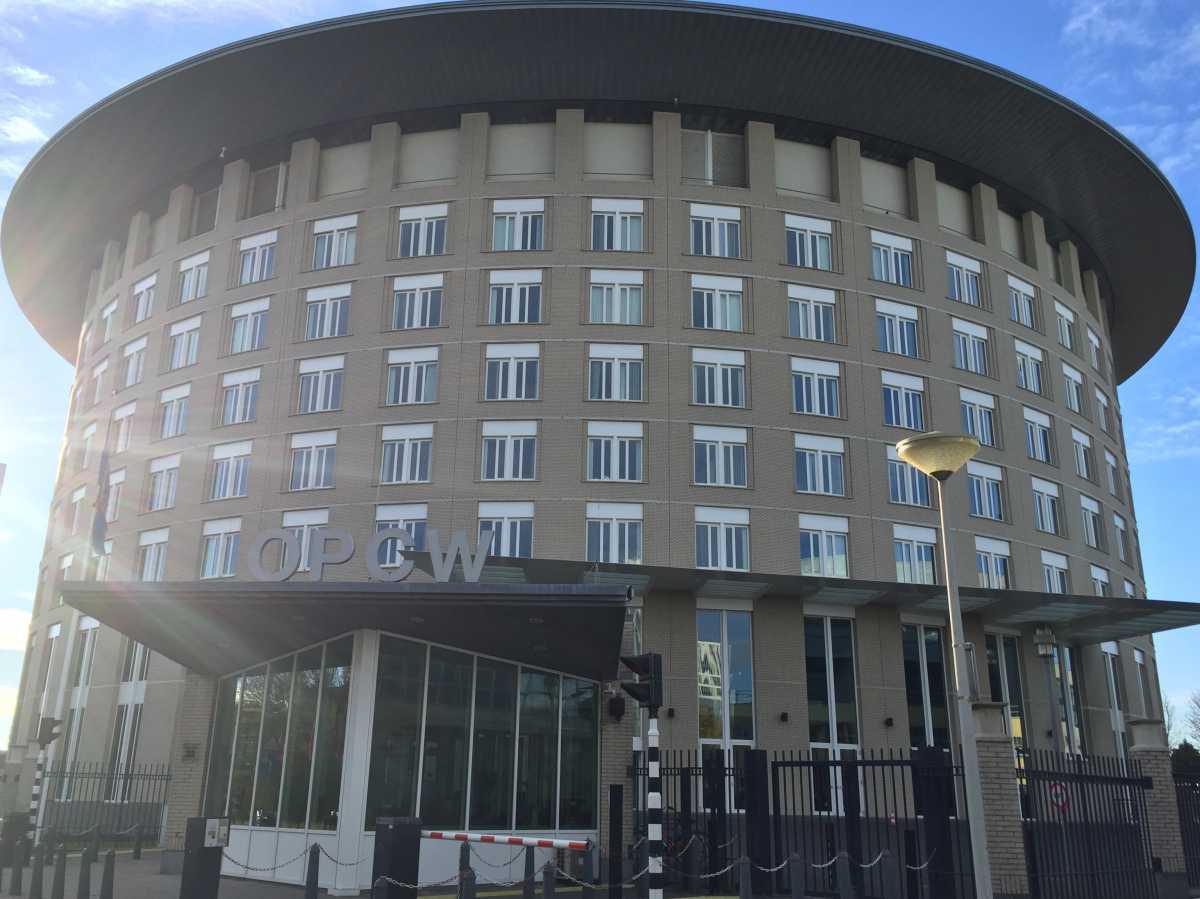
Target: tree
x=1191 y=717
x=1170 y=716
x=1185 y=760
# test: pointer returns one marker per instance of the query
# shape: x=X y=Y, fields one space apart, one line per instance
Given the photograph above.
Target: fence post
x=1153 y=757
x=845 y=887
x=83 y=887
x=35 y=876
x=527 y=888
x=93 y=850
x=796 y=872
x=58 y=885
x=758 y=818
x=108 y=877
x=1001 y=802
x=616 y=828
x=744 y=878
x=548 y=879
x=15 y=888
x=312 y=872
x=137 y=842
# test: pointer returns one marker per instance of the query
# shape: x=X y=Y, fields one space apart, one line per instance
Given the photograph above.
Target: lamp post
x=940 y=456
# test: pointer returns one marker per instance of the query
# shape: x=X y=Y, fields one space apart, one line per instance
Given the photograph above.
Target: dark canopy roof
x=912 y=98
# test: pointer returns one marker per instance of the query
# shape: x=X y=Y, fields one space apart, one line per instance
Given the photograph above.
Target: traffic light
x=648 y=689
x=49 y=730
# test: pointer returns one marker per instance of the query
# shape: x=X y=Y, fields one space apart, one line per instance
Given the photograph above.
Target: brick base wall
x=1002 y=816
x=189 y=755
x=1162 y=807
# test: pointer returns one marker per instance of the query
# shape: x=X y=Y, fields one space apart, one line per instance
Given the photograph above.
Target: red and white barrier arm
x=506 y=840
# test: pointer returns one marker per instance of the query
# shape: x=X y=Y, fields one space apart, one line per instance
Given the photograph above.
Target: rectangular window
x=1065 y=324
x=327 y=312
x=143 y=298
x=515 y=298
x=719 y=378
x=509 y=451
x=152 y=555
x=615 y=372
x=1114 y=474
x=1039 y=441
x=518 y=224
x=716 y=230
x=220 y=548
x=303 y=524
x=1022 y=302
x=1082 y=449
x=112 y=505
x=98 y=371
x=423 y=230
x=164 y=477
x=824 y=546
x=925 y=689
x=123 y=423
x=334 y=241
x=1145 y=687
x=231 y=470
x=313 y=457
x=1099 y=581
x=510 y=526
x=896 y=328
x=615 y=298
x=963 y=279
x=809 y=242
x=993 y=563
x=906 y=485
x=268 y=189
x=723 y=538
x=978 y=415
x=410 y=517
x=1029 y=367
x=107 y=314
x=320 y=388
x=725 y=678
x=416 y=302
x=256 y=257
x=903 y=401
x=614 y=451
x=914 y=550
x=1046 y=515
x=614 y=532
x=811 y=313
x=184 y=343
x=971 y=347
x=720 y=456
x=832 y=701
x=134 y=356
x=985 y=487
x=1055 y=573
x=248 y=326
x=412 y=376
x=816 y=387
x=1093 y=525
x=1067 y=672
x=407 y=451
x=1102 y=413
x=617 y=225
x=820 y=464
x=511 y=371
x=891 y=258
x=1122 y=538
x=173 y=411
x=1004 y=682
x=717 y=303
x=1095 y=351
x=77 y=509
x=193 y=277
x=1073 y=385
x=239 y=396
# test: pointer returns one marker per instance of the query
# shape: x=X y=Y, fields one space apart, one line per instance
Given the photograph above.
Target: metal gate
x=1086 y=830
x=116 y=801
x=1187 y=792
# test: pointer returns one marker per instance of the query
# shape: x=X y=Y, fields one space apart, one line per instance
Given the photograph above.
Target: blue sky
x=1134 y=62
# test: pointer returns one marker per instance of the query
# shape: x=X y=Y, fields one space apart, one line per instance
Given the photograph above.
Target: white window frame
x=1056 y=572
x=978 y=412
x=919 y=547
x=1113 y=472
x=1073 y=389
x=507 y=366
x=512 y=518
x=193 y=277
x=334 y=241
x=322 y=379
x=964 y=279
x=724 y=529
x=972 y=347
x=518 y=225
x=617 y=296
x=123 y=419
x=411 y=517
x=239 y=396
x=817 y=380
x=107 y=316
x=829 y=536
x=616 y=372
x=507 y=447
x=620 y=531
x=248 y=325
x=897 y=328
x=1093 y=523
x=1064 y=326
x=1022 y=303
x=183 y=343
x=812 y=313
x=909 y=404
x=312 y=460
x=892 y=258
x=1121 y=538
x=412 y=376
x=303 y=523
x=715 y=230
x=134 y=359
x=220 y=539
x=417 y=302
x=914 y=487
x=721 y=448
x=809 y=242
x=1039 y=436
x=613 y=448
x=620 y=224
x=1031 y=374
x=422 y=230
x=406 y=455
x=985 y=489
x=1047 y=506
x=112 y=503
x=256 y=257
x=718 y=304
x=515 y=297
x=173 y=411
x=327 y=312
x=824 y=461
x=719 y=378
x=163 y=482
x=993 y=563
x=231 y=470
x=1081 y=445
x=152 y=555
x=143 y=298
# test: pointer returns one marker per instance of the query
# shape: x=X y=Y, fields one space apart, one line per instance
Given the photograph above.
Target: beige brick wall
x=189 y=755
x=1002 y=815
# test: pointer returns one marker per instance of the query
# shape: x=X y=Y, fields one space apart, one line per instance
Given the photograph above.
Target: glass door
x=833 y=730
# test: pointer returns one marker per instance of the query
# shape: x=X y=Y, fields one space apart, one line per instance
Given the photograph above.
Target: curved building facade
x=640 y=333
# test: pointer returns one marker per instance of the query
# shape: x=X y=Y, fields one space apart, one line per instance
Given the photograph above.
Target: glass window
x=537 y=751
x=820 y=470
x=1070 y=710
x=617 y=379
x=1004 y=680
x=239 y=402
x=720 y=461
x=579 y=754
x=508 y=457
x=326 y=317
x=245 y=747
x=518 y=230
x=422 y=236
x=714 y=235
x=416 y=308
x=832 y=692
x=405 y=460
x=962 y=283
x=312 y=466
x=925 y=686
x=614 y=457
x=725 y=677
x=617 y=230
x=1029 y=372
x=293 y=805
x=718 y=310
x=334 y=247
x=979 y=421
x=816 y=393
x=718 y=384
x=256 y=260
x=723 y=545
x=1021 y=305
x=892 y=263
x=396 y=730
x=515 y=304
x=809 y=248
x=510 y=536
x=811 y=319
x=320 y=391
x=896 y=334
x=270 y=746
x=412 y=381
x=904 y=406
x=331 y=735
x=986 y=495
x=615 y=304
x=994 y=569
x=824 y=553
x=511 y=378
x=614 y=539
x=914 y=561
x=494 y=744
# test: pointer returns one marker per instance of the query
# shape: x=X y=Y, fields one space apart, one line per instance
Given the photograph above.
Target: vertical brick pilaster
x=189 y=755
x=1150 y=751
x=1001 y=802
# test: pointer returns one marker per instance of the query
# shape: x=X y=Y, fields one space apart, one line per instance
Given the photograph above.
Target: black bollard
x=137 y=842
x=35 y=878
x=744 y=874
x=548 y=880
x=527 y=889
x=58 y=885
x=589 y=868
x=464 y=865
x=16 y=887
x=466 y=884
x=314 y=868
x=93 y=849
x=796 y=872
x=26 y=852
x=51 y=842
x=83 y=889
x=109 y=876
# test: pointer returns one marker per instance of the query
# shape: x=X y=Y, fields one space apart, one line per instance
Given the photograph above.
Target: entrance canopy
x=219 y=627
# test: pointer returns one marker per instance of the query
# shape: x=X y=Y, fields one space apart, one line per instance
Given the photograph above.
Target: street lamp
x=939 y=456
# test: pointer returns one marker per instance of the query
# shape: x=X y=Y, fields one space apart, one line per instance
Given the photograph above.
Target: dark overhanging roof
x=215 y=627
x=1090 y=181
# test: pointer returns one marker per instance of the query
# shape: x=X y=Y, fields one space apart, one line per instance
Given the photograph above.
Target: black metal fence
x=897 y=820
x=1187 y=792
x=79 y=797
x=1086 y=829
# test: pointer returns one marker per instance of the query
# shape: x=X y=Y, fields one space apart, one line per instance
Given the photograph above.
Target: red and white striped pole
x=654 y=810
x=507 y=840
x=35 y=795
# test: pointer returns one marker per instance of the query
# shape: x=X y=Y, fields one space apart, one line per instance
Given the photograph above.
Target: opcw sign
x=335 y=546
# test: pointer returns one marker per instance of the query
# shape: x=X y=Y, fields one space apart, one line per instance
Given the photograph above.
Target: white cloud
x=19 y=129
x=28 y=76
x=14 y=629
x=11 y=166
x=1095 y=24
